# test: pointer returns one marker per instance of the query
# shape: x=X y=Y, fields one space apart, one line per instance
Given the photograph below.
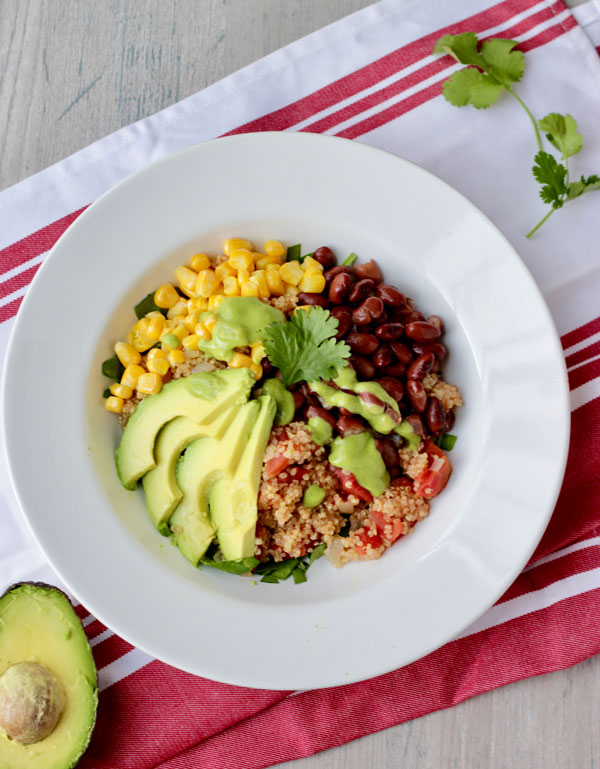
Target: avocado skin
x=49 y=592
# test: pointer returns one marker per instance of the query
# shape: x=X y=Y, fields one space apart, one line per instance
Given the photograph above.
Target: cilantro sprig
x=495 y=66
x=304 y=348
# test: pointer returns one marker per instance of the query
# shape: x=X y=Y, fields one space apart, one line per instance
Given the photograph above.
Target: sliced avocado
x=201 y=397
x=160 y=485
x=233 y=501
x=47 y=672
x=205 y=461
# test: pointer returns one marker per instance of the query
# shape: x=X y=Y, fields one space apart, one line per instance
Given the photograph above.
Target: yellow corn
x=191 y=342
x=207 y=283
x=139 y=336
x=180 y=331
x=155 y=327
x=114 y=404
x=240 y=360
x=291 y=290
x=156 y=353
x=259 y=280
x=257 y=352
x=127 y=353
x=214 y=301
x=275 y=267
x=241 y=259
x=256 y=369
x=233 y=244
x=264 y=260
x=210 y=322
x=131 y=375
x=187 y=280
x=201 y=331
x=199 y=262
x=305 y=307
x=166 y=296
x=291 y=272
x=311 y=264
x=178 y=308
x=274 y=248
x=149 y=384
x=314 y=283
x=176 y=356
x=243 y=276
x=158 y=365
x=274 y=282
x=249 y=289
x=224 y=270
x=191 y=320
x=231 y=287
x=121 y=391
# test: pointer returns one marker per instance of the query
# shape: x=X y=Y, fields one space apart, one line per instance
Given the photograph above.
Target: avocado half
x=48 y=680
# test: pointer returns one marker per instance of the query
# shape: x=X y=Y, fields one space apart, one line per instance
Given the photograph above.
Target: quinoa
x=448 y=394
x=284 y=303
x=412 y=462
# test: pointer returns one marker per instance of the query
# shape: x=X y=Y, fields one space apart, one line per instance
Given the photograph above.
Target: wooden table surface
x=72 y=72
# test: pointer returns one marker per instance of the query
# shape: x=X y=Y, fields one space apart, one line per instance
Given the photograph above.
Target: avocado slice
x=201 y=397
x=233 y=500
x=160 y=485
x=46 y=666
x=203 y=464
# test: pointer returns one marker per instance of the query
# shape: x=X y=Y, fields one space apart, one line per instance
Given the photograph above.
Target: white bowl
x=342 y=625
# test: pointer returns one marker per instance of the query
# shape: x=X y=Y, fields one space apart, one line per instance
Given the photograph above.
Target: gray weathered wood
x=71 y=72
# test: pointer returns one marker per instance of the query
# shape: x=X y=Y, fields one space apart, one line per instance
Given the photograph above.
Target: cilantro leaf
x=561 y=131
x=501 y=62
x=588 y=184
x=470 y=86
x=551 y=175
x=461 y=47
x=304 y=347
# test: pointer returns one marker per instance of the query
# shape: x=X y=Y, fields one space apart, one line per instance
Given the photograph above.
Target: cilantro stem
x=538 y=138
x=539 y=224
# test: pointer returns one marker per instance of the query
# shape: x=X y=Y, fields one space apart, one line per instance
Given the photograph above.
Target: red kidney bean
x=362 y=344
x=402 y=352
x=449 y=420
x=375 y=307
x=299 y=399
x=422 y=366
x=317 y=411
x=393 y=387
x=334 y=271
x=437 y=348
x=436 y=321
x=417 y=395
x=382 y=356
x=435 y=415
x=344 y=319
x=368 y=270
x=390 y=295
x=421 y=331
x=325 y=256
x=389 y=453
x=268 y=367
x=413 y=317
x=415 y=421
x=389 y=331
x=313 y=299
x=361 y=290
x=344 y=412
x=363 y=367
x=361 y=316
x=350 y=425
x=310 y=398
x=394 y=370
x=340 y=288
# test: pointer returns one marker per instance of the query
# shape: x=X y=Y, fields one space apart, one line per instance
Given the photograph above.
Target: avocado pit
x=31 y=702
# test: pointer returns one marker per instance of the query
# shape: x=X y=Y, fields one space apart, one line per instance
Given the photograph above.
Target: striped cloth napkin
x=370 y=77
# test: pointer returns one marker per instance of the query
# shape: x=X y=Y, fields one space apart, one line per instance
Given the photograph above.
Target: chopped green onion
x=299 y=575
x=146 y=305
x=317 y=553
x=270 y=578
x=113 y=368
x=243 y=566
x=446 y=441
x=350 y=259
x=293 y=253
x=302 y=258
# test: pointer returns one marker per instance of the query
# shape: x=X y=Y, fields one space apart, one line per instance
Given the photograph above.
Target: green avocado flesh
x=233 y=500
x=38 y=624
x=184 y=397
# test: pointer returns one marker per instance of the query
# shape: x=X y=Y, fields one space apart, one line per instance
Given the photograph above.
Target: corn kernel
x=127 y=353
x=243 y=276
x=155 y=326
x=210 y=322
x=257 y=352
x=259 y=280
x=233 y=244
x=177 y=309
x=239 y=360
x=176 y=356
x=249 y=289
x=149 y=384
x=158 y=365
x=190 y=342
x=264 y=260
x=231 y=287
x=291 y=272
x=199 y=262
x=187 y=280
x=274 y=248
x=314 y=283
x=291 y=290
x=224 y=270
x=114 y=404
x=121 y=390
x=214 y=301
x=156 y=354
x=207 y=283
x=180 y=331
x=139 y=335
x=166 y=296
x=191 y=320
x=311 y=264
x=131 y=375
x=241 y=259
x=274 y=282
x=201 y=331
x=256 y=369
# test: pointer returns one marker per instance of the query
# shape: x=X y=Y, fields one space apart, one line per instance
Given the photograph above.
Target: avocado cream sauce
x=358 y=454
x=320 y=429
x=241 y=321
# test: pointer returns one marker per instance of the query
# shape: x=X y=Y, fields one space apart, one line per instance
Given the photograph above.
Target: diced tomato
x=276 y=465
x=431 y=481
x=402 y=482
x=351 y=486
x=389 y=528
x=366 y=538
